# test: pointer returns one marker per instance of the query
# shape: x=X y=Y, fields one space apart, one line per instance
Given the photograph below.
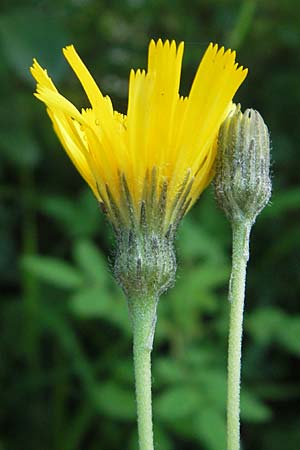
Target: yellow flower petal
x=88 y=83
x=162 y=152
x=41 y=76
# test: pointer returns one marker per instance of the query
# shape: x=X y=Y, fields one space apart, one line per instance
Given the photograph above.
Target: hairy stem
x=143 y=316
x=240 y=256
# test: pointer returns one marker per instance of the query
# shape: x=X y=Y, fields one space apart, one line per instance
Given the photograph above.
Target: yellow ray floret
x=162 y=152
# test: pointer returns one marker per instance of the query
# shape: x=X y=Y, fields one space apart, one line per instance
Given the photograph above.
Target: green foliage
x=114 y=401
x=76 y=219
x=66 y=372
x=20 y=38
x=53 y=271
x=273 y=326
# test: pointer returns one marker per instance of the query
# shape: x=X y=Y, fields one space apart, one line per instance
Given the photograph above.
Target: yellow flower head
x=152 y=163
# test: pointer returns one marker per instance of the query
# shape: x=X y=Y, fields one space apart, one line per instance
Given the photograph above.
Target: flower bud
x=242 y=182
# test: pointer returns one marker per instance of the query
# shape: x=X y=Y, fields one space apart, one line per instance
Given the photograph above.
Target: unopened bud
x=242 y=182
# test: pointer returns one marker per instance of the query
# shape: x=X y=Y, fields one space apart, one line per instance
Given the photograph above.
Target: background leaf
x=53 y=271
x=28 y=33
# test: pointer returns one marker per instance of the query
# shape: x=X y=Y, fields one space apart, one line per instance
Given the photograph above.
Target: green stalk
x=240 y=256
x=143 y=316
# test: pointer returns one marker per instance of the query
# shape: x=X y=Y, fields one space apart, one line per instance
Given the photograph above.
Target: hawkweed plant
x=243 y=188
x=146 y=168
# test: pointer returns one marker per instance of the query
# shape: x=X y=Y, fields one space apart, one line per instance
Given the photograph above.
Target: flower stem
x=143 y=316
x=240 y=256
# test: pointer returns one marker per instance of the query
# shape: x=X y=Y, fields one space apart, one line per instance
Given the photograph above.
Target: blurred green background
x=66 y=369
